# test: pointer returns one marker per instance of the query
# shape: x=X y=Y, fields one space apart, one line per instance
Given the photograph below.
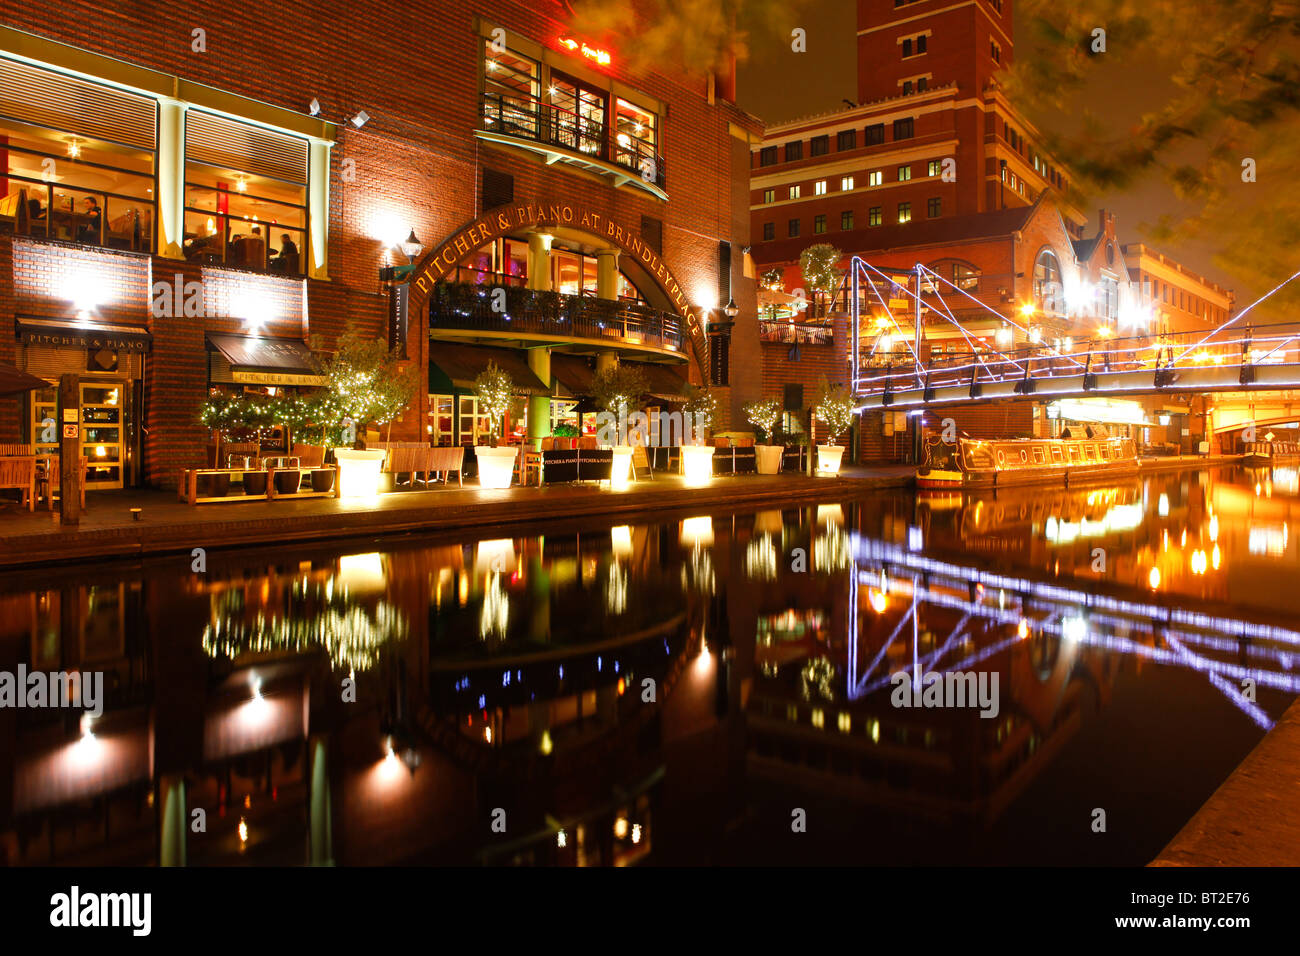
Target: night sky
x=777 y=84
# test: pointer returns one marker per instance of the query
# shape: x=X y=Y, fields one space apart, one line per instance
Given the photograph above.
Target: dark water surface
x=464 y=700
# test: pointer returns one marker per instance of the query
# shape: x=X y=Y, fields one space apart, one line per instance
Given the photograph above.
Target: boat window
x=1105 y=452
x=1039 y=457
x=1075 y=454
x=1024 y=457
x=1057 y=454
x=1090 y=452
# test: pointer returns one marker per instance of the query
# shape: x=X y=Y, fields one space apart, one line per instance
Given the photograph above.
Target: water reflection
x=667 y=691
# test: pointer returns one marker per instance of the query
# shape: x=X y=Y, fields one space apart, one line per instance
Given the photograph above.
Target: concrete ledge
x=1253 y=819
x=169 y=526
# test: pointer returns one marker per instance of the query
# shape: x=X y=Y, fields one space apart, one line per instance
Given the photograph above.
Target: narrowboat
x=1270 y=452
x=988 y=463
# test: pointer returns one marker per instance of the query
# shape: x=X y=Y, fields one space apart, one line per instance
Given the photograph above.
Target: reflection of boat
x=1270 y=452
x=967 y=462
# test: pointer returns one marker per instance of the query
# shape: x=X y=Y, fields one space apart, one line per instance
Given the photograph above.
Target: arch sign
x=443 y=259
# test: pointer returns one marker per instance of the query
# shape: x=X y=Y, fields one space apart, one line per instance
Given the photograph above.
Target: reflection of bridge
x=906 y=304
x=1227 y=651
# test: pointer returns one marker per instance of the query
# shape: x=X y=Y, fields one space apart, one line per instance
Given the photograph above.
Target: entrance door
x=103 y=433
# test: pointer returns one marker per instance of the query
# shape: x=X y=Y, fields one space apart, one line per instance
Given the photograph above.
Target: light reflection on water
x=603 y=682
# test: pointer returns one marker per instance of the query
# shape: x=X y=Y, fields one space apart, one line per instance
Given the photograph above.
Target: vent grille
x=30 y=94
x=652 y=233
x=228 y=143
x=498 y=189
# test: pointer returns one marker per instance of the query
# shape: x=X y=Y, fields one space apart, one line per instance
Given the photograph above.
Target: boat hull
x=1038 y=461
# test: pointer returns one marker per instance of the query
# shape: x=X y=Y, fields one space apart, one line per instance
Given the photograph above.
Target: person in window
x=93 y=216
x=287 y=259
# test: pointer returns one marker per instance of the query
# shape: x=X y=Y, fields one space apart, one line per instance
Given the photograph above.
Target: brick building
x=935 y=166
x=192 y=198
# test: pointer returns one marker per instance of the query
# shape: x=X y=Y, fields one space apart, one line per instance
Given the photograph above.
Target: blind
x=30 y=94
x=49 y=364
x=244 y=147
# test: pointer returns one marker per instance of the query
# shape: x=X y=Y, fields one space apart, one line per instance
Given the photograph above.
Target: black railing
x=529 y=118
x=801 y=333
x=504 y=309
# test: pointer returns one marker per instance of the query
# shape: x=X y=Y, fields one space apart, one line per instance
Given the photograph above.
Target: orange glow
x=595 y=54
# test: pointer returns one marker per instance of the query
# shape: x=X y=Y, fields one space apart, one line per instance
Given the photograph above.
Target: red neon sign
x=592 y=53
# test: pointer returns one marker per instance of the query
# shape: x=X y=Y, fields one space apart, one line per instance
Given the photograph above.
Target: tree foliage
x=1234 y=73
x=764 y=415
x=365 y=382
x=495 y=389
x=820 y=267
x=618 y=388
x=834 y=408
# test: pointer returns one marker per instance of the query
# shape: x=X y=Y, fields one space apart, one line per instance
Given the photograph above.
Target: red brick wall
x=415 y=165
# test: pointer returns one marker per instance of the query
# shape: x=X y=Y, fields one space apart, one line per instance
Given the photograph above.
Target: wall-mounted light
x=412 y=247
x=731 y=309
x=360 y=119
x=74 y=148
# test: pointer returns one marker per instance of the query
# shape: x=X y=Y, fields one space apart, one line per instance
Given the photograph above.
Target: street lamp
x=412 y=247
x=731 y=309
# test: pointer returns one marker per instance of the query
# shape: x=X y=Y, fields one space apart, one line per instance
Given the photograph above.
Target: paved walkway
x=1253 y=819
x=167 y=525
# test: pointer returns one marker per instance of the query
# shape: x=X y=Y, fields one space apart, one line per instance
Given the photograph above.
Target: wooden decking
x=107 y=529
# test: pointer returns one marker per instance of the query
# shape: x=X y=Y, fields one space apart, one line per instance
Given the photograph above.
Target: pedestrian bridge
x=919 y=308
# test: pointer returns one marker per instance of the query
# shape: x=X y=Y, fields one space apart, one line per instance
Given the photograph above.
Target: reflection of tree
x=350 y=635
x=760 y=558
x=831 y=550
x=495 y=614
x=697 y=574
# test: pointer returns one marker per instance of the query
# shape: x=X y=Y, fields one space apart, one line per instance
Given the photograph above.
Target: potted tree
x=495 y=389
x=365 y=383
x=618 y=390
x=820 y=267
x=697 y=458
x=834 y=408
x=764 y=416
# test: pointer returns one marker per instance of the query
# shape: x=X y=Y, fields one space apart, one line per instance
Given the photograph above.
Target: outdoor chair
x=311 y=456
x=51 y=480
x=20 y=472
x=444 y=460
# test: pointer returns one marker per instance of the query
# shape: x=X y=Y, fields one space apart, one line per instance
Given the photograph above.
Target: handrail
x=469 y=306
x=528 y=117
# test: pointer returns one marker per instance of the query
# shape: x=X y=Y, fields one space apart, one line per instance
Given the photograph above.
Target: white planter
x=697 y=464
x=359 y=471
x=768 y=459
x=828 y=459
x=620 y=473
x=496 y=466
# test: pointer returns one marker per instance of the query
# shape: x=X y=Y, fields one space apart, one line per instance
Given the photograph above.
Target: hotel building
x=195 y=203
x=934 y=165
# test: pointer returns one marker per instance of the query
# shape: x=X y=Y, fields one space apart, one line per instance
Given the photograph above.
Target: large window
x=963 y=275
x=500 y=262
x=245 y=195
x=793 y=151
x=1048 y=292
x=846 y=139
x=636 y=133
x=511 y=90
x=578 y=115
x=77 y=160
x=874 y=135
x=904 y=128
x=904 y=212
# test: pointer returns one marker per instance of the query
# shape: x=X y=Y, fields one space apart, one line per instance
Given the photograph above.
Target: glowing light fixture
x=697 y=464
x=359 y=471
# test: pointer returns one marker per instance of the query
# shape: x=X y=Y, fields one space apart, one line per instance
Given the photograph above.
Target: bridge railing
x=900 y=371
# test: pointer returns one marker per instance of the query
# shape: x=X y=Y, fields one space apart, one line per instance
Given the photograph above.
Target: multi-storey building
x=195 y=202
x=935 y=166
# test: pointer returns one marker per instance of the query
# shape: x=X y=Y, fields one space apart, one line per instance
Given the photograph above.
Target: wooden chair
x=444 y=460
x=20 y=472
x=20 y=451
x=52 y=479
x=311 y=456
x=588 y=442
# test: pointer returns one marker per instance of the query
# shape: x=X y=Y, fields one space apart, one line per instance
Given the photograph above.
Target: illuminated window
x=245 y=195
x=769 y=195
x=876 y=177
x=795 y=192
x=846 y=183
x=511 y=91
x=1048 y=292
x=904 y=173
x=819 y=224
x=578 y=116
x=904 y=212
x=819 y=188
x=874 y=216
x=58 y=182
x=635 y=136
x=934 y=168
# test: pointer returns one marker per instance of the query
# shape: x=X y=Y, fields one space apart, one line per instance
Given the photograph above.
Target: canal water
x=719 y=688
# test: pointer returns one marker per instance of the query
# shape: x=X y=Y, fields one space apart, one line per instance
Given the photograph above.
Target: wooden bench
x=19 y=472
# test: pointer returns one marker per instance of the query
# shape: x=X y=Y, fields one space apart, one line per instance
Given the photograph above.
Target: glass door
x=578 y=116
x=102 y=438
x=45 y=429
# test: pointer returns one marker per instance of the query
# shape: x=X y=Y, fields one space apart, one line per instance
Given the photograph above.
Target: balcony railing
x=529 y=118
x=801 y=333
x=471 y=307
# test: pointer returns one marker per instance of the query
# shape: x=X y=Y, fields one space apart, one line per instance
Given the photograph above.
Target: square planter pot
x=286 y=482
x=322 y=479
x=768 y=459
x=255 y=483
x=828 y=459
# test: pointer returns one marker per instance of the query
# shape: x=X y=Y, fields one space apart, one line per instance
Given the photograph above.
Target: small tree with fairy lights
x=700 y=410
x=820 y=267
x=365 y=383
x=764 y=416
x=495 y=390
x=834 y=409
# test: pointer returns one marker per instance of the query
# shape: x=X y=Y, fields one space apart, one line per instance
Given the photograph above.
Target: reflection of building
x=198 y=221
